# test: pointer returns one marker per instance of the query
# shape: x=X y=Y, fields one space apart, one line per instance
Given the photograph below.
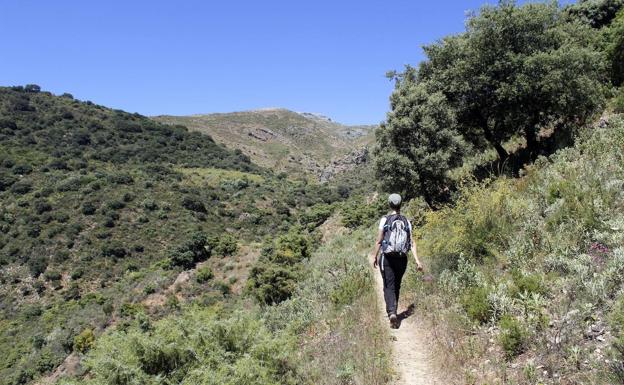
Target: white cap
x=394 y=200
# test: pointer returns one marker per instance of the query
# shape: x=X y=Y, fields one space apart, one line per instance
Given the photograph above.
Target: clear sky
x=185 y=57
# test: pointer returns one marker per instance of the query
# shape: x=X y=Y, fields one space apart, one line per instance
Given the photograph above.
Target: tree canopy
x=515 y=71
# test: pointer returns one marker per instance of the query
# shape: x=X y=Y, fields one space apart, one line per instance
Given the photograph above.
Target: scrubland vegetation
x=520 y=205
x=524 y=242
x=532 y=269
x=102 y=211
x=157 y=256
x=327 y=332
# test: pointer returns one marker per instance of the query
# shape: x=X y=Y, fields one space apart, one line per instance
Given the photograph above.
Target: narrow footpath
x=412 y=359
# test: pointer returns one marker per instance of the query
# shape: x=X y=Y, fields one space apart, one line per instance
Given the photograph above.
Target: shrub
x=61 y=216
x=84 y=341
x=73 y=183
x=223 y=245
x=120 y=178
x=513 y=337
x=22 y=169
x=357 y=213
x=33 y=88
x=204 y=274
x=193 y=203
x=58 y=164
x=351 y=287
x=150 y=204
x=88 y=208
x=37 y=265
x=618 y=103
x=271 y=283
x=527 y=284
x=21 y=187
x=149 y=289
x=72 y=293
x=196 y=348
x=223 y=287
x=191 y=251
x=476 y=305
x=115 y=205
x=42 y=206
x=6 y=181
x=114 y=249
x=52 y=275
x=316 y=215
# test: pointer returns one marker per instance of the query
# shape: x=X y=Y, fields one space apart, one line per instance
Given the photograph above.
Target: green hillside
x=101 y=211
x=280 y=139
x=509 y=136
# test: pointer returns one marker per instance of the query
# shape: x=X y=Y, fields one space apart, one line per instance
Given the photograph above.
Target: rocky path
x=412 y=359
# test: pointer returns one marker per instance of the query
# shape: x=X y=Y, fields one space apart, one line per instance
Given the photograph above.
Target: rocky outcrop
x=344 y=164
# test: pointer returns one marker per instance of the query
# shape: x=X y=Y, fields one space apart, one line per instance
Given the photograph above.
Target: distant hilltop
x=281 y=139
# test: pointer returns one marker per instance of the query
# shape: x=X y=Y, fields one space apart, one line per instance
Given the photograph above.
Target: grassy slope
x=528 y=272
x=93 y=203
x=293 y=142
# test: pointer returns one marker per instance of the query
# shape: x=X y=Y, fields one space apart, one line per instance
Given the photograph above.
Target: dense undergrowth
x=528 y=272
x=327 y=332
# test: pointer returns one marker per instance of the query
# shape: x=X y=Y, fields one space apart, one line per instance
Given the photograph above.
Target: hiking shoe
x=394 y=321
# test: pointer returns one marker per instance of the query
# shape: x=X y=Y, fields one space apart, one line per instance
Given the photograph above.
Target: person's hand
x=419 y=266
x=374 y=260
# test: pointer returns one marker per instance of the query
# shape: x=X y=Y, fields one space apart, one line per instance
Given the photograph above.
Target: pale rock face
x=283 y=140
x=344 y=164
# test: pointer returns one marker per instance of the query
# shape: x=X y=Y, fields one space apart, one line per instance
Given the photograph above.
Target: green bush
x=271 y=283
x=6 y=181
x=84 y=341
x=204 y=274
x=88 y=208
x=52 y=275
x=114 y=249
x=223 y=245
x=194 y=203
x=21 y=187
x=195 y=348
x=316 y=215
x=513 y=337
x=476 y=305
x=358 y=213
x=150 y=204
x=618 y=101
x=350 y=287
x=189 y=252
x=527 y=284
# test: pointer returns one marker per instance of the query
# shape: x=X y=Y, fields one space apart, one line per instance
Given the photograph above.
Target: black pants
x=392 y=269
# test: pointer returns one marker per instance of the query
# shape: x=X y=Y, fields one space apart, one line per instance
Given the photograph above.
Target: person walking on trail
x=394 y=240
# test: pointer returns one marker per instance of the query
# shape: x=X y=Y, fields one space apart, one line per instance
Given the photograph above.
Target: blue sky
x=184 y=57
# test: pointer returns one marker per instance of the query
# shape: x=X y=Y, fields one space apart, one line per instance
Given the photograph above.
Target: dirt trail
x=413 y=361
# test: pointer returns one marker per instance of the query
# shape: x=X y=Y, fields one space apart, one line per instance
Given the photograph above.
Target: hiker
x=394 y=240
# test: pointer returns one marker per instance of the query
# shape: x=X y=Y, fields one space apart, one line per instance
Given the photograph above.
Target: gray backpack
x=397 y=236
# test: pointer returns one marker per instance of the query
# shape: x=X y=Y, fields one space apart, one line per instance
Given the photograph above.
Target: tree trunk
x=531 y=142
x=502 y=153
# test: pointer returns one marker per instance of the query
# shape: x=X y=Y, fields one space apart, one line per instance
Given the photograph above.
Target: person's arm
x=376 y=248
x=419 y=265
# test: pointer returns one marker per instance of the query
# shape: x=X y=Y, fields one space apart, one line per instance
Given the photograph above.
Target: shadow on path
x=405 y=314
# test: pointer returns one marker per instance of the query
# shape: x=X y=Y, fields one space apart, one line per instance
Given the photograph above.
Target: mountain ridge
x=280 y=139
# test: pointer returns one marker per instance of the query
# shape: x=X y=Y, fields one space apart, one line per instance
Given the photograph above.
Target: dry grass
x=349 y=349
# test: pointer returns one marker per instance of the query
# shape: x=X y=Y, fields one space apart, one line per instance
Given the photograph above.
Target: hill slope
x=529 y=271
x=280 y=139
x=104 y=216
